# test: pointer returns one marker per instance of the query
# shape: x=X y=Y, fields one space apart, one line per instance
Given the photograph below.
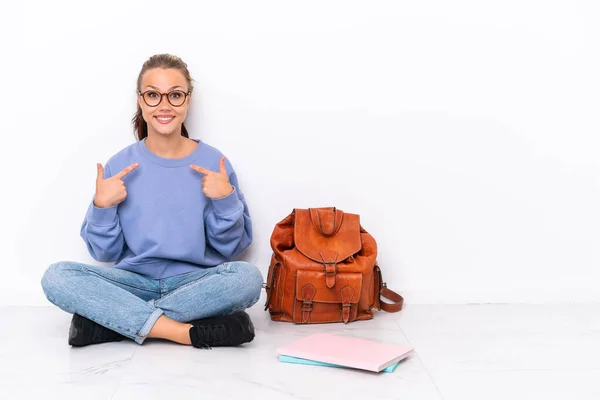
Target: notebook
x=346 y=351
x=294 y=360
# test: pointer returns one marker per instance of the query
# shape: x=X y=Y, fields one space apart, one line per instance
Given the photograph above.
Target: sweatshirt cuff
x=103 y=216
x=228 y=204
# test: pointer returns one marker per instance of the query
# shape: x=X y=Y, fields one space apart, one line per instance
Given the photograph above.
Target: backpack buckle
x=330 y=267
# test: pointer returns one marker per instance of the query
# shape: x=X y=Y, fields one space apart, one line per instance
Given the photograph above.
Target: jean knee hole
x=225 y=267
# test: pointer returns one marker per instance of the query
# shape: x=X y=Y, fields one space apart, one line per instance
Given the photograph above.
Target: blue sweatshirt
x=166 y=225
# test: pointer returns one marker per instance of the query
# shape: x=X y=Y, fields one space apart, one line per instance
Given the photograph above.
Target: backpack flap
x=327 y=236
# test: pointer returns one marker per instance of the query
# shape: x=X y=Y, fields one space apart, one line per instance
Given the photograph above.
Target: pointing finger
x=126 y=170
x=200 y=169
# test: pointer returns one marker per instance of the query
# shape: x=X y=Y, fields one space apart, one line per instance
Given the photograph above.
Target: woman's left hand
x=214 y=184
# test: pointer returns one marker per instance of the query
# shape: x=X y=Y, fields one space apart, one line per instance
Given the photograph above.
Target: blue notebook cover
x=295 y=360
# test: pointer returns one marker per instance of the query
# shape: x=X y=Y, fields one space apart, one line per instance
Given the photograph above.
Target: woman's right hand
x=111 y=191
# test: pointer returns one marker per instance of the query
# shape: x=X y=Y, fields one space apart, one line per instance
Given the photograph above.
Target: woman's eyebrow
x=172 y=87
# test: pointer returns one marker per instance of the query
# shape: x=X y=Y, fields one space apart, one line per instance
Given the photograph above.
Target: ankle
x=166 y=328
x=185 y=335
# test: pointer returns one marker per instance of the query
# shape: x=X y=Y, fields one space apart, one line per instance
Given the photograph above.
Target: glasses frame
x=186 y=94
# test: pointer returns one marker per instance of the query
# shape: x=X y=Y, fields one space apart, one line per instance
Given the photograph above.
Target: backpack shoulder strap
x=397 y=300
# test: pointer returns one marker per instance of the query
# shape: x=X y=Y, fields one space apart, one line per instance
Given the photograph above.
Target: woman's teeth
x=164 y=120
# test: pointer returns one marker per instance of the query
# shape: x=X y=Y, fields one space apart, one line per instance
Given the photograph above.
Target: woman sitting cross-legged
x=168 y=210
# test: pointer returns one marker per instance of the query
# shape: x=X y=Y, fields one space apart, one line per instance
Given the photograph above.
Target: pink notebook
x=347 y=351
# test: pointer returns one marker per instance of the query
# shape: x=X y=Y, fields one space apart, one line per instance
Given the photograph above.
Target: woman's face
x=164 y=118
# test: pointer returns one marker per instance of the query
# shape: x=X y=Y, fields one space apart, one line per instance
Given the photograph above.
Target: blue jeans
x=130 y=303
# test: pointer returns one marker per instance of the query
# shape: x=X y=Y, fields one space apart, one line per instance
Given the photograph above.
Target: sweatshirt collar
x=169 y=162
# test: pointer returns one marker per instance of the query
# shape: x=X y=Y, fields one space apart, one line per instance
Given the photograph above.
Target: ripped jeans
x=130 y=303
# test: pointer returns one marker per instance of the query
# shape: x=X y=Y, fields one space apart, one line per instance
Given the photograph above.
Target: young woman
x=168 y=210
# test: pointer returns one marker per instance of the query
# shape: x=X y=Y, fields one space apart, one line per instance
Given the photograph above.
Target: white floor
x=481 y=352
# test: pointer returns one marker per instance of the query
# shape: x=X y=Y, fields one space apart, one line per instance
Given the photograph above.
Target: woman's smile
x=164 y=119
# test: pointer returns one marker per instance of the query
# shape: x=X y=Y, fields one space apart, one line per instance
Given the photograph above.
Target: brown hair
x=164 y=61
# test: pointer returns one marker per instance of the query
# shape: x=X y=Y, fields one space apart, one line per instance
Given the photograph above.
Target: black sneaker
x=84 y=331
x=229 y=330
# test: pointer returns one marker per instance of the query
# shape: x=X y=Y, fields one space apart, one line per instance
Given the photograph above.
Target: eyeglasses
x=153 y=98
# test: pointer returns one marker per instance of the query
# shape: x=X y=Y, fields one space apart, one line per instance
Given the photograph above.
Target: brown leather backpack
x=324 y=269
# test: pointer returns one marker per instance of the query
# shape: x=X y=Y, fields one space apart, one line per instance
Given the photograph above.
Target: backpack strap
x=397 y=300
x=268 y=286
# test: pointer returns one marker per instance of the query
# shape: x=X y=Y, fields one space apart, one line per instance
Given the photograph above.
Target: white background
x=465 y=133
